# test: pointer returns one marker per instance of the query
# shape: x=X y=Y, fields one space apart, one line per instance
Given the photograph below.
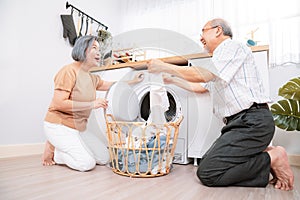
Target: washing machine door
x=172 y=114
x=122 y=102
x=144 y=110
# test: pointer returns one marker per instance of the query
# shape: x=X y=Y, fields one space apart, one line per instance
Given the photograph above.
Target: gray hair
x=81 y=45
x=225 y=26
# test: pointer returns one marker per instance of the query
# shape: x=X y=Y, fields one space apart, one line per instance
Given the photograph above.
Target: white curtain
x=274 y=23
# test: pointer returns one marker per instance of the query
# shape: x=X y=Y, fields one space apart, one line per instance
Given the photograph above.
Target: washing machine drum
x=122 y=102
x=170 y=114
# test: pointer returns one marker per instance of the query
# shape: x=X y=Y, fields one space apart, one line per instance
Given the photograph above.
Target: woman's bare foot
x=283 y=177
x=47 y=158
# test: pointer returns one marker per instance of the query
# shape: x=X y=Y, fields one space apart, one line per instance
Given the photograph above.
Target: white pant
x=78 y=150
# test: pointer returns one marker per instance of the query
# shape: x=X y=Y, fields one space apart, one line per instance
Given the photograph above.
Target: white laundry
x=135 y=138
x=159 y=102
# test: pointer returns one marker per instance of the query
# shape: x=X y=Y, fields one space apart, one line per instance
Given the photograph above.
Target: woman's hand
x=137 y=78
x=100 y=103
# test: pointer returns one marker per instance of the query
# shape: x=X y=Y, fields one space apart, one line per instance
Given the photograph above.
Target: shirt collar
x=223 y=43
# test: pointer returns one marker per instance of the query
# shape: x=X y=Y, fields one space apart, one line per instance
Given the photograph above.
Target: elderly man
x=240 y=156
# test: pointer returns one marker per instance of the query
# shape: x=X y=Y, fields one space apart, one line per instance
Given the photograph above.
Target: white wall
x=32 y=50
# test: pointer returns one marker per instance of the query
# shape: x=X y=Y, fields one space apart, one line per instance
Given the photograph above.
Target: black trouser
x=237 y=158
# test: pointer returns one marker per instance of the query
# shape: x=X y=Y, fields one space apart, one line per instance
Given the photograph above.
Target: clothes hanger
x=91 y=27
x=78 y=24
x=81 y=12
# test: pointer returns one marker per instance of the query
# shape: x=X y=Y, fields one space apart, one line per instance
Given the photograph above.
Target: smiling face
x=213 y=34
x=93 y=55
x=208 y=36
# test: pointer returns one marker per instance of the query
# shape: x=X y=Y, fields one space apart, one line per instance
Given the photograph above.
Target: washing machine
x=178 y=106
x=133 y=104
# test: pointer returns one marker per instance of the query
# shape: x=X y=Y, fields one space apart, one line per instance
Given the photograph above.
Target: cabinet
x=203 y=126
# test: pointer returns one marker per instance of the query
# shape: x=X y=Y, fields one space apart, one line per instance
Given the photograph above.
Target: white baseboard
x=38 y=148
x=21 y=150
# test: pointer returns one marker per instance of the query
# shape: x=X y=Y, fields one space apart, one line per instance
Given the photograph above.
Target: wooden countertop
x=177 y=60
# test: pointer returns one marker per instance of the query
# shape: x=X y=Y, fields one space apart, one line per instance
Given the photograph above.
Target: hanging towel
x=86 y=26
x=81 y=25
x=69 y=28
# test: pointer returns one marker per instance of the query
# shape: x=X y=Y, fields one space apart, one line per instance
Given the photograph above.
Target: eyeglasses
x=205 y=29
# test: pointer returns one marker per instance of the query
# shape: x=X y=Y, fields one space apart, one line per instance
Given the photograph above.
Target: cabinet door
x=203 y=126
x=261 y=60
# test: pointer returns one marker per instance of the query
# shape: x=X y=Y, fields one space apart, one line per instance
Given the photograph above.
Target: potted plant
x=103 y=35
x=286 y=112
x=105 y=42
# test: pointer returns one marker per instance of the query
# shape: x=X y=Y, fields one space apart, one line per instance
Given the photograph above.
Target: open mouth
x=203 y=42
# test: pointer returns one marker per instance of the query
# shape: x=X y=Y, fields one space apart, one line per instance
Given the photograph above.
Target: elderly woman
x=73 y=100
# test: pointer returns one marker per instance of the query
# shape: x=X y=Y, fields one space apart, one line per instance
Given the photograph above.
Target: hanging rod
x=73 y=7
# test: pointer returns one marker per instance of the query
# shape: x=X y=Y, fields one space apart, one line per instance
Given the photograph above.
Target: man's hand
x=168 y=79
x=155 y=66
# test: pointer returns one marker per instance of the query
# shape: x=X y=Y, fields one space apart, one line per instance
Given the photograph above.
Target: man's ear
x=219 y=31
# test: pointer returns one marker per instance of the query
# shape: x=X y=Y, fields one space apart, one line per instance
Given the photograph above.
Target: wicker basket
x=137 y=150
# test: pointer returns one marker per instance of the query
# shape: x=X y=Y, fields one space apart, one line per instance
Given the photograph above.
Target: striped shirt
x=239 y=83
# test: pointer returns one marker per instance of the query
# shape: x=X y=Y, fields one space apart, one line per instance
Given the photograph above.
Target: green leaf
x=291 y=90
x=286 y=114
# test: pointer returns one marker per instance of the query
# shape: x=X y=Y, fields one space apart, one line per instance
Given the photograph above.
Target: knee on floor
x=86 y=165
x=103 y=160
x=206 y=176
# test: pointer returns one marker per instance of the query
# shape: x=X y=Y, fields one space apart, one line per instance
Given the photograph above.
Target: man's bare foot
x=274 y=178
x=283 y=177
x=47 y=158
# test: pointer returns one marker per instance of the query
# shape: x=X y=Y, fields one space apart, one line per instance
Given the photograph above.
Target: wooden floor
x=25 y=178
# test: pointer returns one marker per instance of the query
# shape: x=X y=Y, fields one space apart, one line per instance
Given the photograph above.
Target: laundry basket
x=139 y=150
